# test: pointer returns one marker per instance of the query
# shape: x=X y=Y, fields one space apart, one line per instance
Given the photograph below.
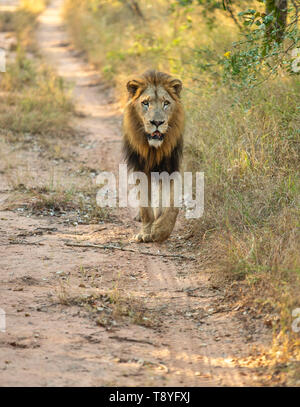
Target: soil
x=90 y=316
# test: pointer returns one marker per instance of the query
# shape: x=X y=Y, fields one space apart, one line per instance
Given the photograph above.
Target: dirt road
x=79 y=316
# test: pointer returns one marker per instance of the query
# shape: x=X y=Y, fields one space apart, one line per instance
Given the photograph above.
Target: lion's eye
x=145 y=103
x=166 y=103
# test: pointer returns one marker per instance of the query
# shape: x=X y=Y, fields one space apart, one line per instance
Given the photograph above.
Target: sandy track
x=48 y=343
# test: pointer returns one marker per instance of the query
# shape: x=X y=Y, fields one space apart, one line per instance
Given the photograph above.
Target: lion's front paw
x=143 y=237
x=158 y=235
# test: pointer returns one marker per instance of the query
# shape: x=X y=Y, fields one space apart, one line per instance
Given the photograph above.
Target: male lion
x=153 y=140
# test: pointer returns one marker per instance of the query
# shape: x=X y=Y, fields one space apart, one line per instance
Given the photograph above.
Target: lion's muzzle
x=155 y=139
x=156 y=135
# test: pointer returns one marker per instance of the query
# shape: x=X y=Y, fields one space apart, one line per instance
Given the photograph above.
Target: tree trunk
x=276 y=29
x=135 y=8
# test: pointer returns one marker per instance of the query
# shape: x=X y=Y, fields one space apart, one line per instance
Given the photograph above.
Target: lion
x=153 y=125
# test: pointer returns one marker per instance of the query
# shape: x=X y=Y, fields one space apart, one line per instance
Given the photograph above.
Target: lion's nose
x=156 y=123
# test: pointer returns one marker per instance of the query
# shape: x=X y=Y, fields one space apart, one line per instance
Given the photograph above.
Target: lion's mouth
x=156 y=135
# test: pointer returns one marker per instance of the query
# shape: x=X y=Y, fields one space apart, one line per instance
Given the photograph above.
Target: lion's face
x=154 y=105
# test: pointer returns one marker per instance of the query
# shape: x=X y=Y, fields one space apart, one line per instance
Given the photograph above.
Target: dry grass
x=107 y=308
x=34 y=103
x=23 y=22
x=245 y=141
x=69 y=195
x=35 y=111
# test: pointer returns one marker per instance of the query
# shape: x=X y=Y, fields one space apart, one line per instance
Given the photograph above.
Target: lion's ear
x=177 y=86
x=132 y=87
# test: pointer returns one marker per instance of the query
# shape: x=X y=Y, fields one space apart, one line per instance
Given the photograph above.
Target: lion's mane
x=139 y=155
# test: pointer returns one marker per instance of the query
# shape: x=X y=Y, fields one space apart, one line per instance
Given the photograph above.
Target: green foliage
x=266 y=44
x=262 y=52
x=207 y=8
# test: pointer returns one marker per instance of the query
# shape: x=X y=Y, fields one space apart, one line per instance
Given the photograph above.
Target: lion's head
x=153 y=117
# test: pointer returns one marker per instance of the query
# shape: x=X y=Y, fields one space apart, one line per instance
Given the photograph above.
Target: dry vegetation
x=107 y=308
x=245 y=140
x=34 y=101
x=35 y=111
x=23 y=21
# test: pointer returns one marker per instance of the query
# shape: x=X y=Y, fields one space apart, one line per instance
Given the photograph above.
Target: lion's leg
x=147 y=219
x=157 y=212
x=163 y=226
x=165 y=221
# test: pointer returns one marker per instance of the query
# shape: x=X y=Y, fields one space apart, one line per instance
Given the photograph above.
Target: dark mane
x=136 y=162
x=138 y=154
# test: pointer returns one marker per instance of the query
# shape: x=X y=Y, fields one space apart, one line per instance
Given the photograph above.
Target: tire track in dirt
x=181 y=343
x=192 y=352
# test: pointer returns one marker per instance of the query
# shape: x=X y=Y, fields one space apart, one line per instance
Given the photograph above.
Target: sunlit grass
x=34 y=101
x=34 y=6
x=245 y=141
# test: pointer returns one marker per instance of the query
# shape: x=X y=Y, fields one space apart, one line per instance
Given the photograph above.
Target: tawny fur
x=133 y=129
x=157 y=225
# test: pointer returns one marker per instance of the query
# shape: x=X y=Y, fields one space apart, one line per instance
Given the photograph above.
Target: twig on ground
x=125 y=339
x=21 y=242
x=111 y=247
